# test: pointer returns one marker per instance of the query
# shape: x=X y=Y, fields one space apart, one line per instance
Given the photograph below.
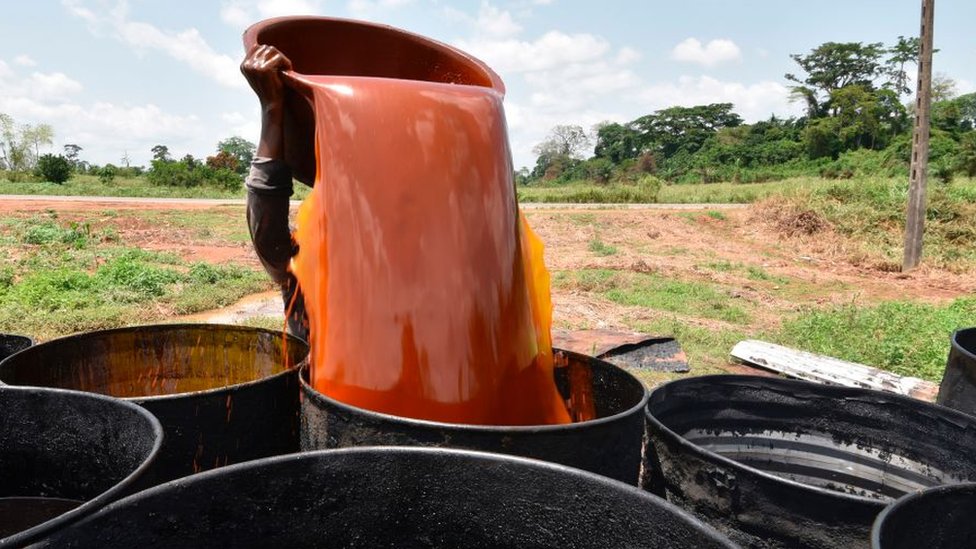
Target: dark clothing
x=269 y=188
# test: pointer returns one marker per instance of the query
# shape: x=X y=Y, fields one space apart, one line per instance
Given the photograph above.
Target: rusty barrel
x=958 y=387
x=64 y=455
x=936 y=518
x=11 y=343
x=224 y=394
x=609 y=445
x=776 y=463
x=392 y=497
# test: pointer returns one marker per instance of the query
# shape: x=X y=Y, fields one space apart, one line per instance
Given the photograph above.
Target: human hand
x=262 y=68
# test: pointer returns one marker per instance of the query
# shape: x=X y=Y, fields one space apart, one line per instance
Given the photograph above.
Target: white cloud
x=243 y=13
x=714 y=52
x=37 y=85
x=106 y=130
x=186 y=46
x=752 y=101
x=371 y=8
x=24 y=60
x=78 y=10
x=495 y=22
x=236 y=14
x=550 y=50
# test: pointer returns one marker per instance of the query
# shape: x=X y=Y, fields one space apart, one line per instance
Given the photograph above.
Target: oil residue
x=425 y=288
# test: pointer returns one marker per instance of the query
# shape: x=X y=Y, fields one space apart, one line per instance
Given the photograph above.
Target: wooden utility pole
x=915 y=220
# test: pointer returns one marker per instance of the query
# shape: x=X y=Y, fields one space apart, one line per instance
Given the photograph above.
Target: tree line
x=20 y=159
x=855 y=121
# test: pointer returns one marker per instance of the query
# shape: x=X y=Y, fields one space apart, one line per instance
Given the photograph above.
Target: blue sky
x=119 y=76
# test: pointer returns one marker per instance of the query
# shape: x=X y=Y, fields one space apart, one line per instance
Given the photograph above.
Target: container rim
x=250 y=38
x=174 y=326
x=38 y=531
x=700 y=452
x=963 y=332
x=482 y=428
x=909 y=499
x=484 y=457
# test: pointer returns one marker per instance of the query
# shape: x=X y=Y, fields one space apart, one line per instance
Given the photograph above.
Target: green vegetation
x=599 y=247
x=63 y=277
x=870 y=213
x=905 y=337
x=855 y=125
x=55 y=169
x=656 y=292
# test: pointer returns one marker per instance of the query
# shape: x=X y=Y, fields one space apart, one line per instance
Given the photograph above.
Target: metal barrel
x=936 y=518
x=64 y=455
x=224 y=394
x=392 y=497
x=11 y=343
x=776 y=463
x=609 y=445
x=958 y=387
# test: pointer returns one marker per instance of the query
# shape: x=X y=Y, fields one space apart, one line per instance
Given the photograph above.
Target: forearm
x=269 y=188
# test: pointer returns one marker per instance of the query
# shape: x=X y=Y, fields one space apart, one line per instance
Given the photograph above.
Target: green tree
x=966 y=154
x=160 y=152
x=55 y=169
x=683 y=128
x=904 y=51
x=71 y=153
x=241 y=149
x=562 y=149
x=832 y=66
x=41 y=134
x=616 y=142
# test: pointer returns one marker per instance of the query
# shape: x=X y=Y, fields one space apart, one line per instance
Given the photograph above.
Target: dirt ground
x=734 y=249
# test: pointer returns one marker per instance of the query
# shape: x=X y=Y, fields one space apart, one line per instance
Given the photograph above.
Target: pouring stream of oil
x=425 y=288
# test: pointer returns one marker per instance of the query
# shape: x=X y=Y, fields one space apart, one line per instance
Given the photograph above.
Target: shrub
x=107 y=173
x=55 y=169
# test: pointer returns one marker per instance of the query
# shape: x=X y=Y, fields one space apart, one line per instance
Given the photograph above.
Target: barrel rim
x=909 y=499
x=708 y=455
x=251 y=33
x=174 y=326
x=93 y=505
x=958 y=347
x=307 y=389
x=483 y=457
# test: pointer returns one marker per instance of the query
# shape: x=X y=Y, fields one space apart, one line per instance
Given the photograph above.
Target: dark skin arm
x=269 y=183
x=262 y=68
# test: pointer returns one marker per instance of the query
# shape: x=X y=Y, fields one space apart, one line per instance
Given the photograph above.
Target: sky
x=117 y=77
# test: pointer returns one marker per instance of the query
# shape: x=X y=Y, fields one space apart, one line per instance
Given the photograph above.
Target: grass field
x=63 y=276
x=89 y=185
x=812 y=265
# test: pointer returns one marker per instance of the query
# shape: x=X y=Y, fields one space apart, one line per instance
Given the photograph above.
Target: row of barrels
x=219 y=440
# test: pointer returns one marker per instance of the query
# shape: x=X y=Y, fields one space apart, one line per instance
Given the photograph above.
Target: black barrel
x=781 y=463
x=943 y=517
x=224 y=394
x=392 y=497
x=11 y=343
x=64 y=455
x=609 y=445
x=958 y=388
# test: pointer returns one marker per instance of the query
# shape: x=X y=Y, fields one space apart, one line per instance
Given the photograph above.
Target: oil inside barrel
x=817 y=459
x=20 y=513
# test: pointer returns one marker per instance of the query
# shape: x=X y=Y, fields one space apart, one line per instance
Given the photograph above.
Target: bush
x=107 y=173
x=191 y=173
x=55 y=169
